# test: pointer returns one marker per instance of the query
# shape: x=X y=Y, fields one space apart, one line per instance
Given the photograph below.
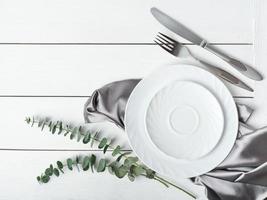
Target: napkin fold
x=241 y=176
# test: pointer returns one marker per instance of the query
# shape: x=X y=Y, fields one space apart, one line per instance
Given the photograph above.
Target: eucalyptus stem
x=162 y=182
x=35 y=121
x=131 y=165
x=179 y=188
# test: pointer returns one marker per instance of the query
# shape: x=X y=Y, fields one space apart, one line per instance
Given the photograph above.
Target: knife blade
x=189 y=35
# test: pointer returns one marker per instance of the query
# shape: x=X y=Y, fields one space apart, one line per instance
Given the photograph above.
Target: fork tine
x=164 y=42
x=167 y=42
x=166 y=48
x=169 y=38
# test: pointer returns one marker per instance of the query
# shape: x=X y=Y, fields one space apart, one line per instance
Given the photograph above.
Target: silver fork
x=179 y=50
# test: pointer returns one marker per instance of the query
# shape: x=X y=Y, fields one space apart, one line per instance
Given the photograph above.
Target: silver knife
x=225 y=75
x=184 y=32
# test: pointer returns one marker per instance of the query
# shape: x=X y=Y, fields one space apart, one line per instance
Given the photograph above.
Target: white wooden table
x=54 y=53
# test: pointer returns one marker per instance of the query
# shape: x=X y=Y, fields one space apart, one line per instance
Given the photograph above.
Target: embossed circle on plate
x=178 y=117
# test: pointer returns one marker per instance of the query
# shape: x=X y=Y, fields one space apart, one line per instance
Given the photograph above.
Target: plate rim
x=161 y=169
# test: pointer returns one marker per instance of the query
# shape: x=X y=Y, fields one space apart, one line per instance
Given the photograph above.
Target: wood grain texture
x=120 y=21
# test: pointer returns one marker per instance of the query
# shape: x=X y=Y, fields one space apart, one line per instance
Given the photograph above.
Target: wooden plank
x=260 y=116
x=79 y=70
x=16 y=134
x=20 y=169
x=120 y=21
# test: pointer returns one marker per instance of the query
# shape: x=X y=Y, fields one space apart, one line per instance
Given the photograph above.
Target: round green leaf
x=59 y=165
x=40 y=123
x=79 y=134
x=45 y=179
x=92 y=161
x=87 y=138
x=102 y=143
x=60 y=128
x=48 y=172
x=131 y=177
x=69 y=163
x=50 y=125
x=101 y=165
x=38 y=178
x=130 y=160
x=56 y=171
x=105 y=149
x=43 y=125
x=54 y=128
x=73 y=133
x=86 y=163
x=121 y=171
x=116 y=151
x=120 y=156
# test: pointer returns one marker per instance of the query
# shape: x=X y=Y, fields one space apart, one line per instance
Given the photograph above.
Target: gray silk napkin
x=241 y=176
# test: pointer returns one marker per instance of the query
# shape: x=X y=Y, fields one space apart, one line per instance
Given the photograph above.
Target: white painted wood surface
x=120 y=21
x=19 y=176
x=260 y=101
x=54 y=53
x=79 y=70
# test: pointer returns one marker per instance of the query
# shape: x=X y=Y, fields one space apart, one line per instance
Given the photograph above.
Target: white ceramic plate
x=184 y=120
x=181 y=121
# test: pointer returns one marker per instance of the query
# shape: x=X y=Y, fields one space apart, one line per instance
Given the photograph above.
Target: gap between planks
x=115 y=44
x=55 y=150
x=77 y=96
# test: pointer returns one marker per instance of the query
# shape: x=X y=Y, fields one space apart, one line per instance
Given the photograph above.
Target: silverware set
x=177 y=49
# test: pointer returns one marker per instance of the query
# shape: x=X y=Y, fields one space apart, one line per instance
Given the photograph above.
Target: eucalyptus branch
x=77 y=133
x=130 y=167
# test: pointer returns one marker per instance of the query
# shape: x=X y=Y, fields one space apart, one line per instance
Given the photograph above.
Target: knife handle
x=241 y=67
x=225 y=75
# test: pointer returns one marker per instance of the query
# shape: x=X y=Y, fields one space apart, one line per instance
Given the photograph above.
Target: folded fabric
x=241 y=176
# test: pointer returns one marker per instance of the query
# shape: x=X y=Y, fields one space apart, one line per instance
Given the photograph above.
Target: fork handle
x=241 y=67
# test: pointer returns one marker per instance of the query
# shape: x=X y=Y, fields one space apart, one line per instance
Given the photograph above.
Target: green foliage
x=86 y=163
x=87 y=137
x=137 y=170
x=94 y=138
x=122 y=165
x=116 y=151
x=48 y=172
x=150 y=173
x=101 y=165
x=121 y=171
x=69 y=163
x=92 y=162
x=103 y=143
x=56 y=172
